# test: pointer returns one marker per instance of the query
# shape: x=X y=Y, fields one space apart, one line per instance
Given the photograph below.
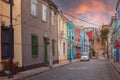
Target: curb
x=116 y=68
x=23 y=76
x=54 y=67
x=50 y=69
x=116 y=71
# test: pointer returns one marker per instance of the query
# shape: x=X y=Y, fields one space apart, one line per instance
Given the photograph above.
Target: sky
x=98 y=12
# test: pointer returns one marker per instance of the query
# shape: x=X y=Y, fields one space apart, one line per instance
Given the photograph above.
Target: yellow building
x=62 y=38
x=4 y=17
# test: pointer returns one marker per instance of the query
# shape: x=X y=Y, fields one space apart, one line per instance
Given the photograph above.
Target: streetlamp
x=11 y=42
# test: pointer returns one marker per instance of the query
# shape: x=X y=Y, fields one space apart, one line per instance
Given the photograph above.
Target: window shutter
x=34 y=7
x=44 y=12
x=34 y=46
x=52 y=18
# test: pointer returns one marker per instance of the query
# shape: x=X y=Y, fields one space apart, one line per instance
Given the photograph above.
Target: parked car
x=85 y=56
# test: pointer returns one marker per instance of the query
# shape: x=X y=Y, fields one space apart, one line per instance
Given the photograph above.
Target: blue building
x=84 y=42
x=117 y=32
x=71 y=41
x=112 y=40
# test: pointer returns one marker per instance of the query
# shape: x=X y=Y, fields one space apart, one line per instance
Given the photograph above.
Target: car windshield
x=84 y=54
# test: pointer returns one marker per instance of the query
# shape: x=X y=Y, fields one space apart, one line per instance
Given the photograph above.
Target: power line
x=64 y=10
x=80 y=19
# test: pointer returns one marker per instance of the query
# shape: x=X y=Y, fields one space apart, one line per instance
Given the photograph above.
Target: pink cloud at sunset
x=95 y=7
x=95 y=11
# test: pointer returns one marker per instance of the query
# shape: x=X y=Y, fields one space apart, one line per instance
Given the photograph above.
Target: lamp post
x=11 y=42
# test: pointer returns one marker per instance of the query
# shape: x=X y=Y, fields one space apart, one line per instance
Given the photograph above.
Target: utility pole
x=11 y=42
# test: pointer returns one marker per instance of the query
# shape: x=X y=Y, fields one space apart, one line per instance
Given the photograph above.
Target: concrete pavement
x=30 y=73
x=116 y=66
x=95 y=69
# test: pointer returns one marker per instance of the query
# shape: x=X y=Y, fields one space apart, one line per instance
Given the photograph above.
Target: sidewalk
x=116 y=66
x=33 y=72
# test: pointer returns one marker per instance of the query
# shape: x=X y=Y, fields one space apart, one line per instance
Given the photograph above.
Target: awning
x=117 y=44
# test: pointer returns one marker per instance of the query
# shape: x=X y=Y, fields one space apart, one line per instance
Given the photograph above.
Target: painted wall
x=71 y=40
x=35 y=25
x=117 y=28
x=4 y=10
x=84 y=41
x=116 y=23
x=112 y=36
x=77 y=35
x=62 y=38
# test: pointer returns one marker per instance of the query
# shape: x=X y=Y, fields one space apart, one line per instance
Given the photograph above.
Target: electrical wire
x=63 y=13
x=80 y=19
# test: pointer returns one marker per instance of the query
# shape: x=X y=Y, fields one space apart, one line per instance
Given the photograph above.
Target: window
x=64 y=48
x=34 y=7
x=44 y=12
x=53 y=47
x=59 y=24
x=52 y=18
x=64 y=27
x=68 y=32
x=34 y=46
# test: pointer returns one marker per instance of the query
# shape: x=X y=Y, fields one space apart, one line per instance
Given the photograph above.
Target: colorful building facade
x=90 y=32
x=71 y=52
x=62 y=37
x=77 y=35
x=84 y=42
x=112 y=38
x=116 y=23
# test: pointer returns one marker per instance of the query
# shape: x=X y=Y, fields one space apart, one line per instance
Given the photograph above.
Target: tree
x=104 y=33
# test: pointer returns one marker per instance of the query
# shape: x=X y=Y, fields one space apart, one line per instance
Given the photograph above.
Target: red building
x=90 y=35
x=77 y=45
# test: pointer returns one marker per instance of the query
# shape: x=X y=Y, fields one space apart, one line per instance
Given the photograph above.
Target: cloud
x=96 y=11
